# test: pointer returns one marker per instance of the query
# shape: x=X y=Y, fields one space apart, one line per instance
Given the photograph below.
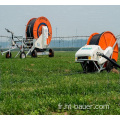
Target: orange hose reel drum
x=37 y=28
x=104 y=40
x=29 y=28
x=91 y=37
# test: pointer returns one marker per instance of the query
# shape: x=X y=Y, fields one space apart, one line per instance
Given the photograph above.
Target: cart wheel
x=8 y=55
x=113 y=65
x=88 y=66
x=22 y=55
x=51 y=53
x=34 y=53
x=110 y=66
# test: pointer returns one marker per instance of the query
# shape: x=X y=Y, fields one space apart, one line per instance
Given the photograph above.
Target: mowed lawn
x=55 y=85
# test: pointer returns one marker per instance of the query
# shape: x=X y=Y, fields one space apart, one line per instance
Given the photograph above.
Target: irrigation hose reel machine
x=38 y=38
x=100 y=52
x=40 y=31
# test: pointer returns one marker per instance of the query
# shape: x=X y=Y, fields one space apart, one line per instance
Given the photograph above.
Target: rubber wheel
x=8 y=55
x=113 y=65
x=110 y=66
x=88 y=66
x=34 y=53
x=22 y=55
x=51 y=53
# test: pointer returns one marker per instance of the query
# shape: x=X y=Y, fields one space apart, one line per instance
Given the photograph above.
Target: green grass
x=38 y=85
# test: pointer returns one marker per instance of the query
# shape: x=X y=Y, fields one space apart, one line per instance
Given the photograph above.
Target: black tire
x=34 y=54
x=22 y=55
x=110 y=66
x=113 y=65
x=51 y=53
x=88 y=66
x=8 y=55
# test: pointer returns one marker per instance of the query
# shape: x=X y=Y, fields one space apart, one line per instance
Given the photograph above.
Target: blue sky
x=69 y=20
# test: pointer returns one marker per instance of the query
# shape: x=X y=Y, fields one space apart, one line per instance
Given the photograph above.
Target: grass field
x=46 y=85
